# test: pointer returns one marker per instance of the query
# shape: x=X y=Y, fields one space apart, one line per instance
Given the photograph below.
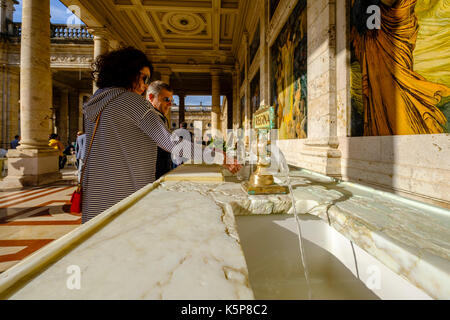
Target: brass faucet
x=261 y=181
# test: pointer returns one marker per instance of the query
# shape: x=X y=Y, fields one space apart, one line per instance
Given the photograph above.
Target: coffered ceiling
x=189 y=33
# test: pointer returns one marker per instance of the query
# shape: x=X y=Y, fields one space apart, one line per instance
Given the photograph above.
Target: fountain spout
x=261 y=181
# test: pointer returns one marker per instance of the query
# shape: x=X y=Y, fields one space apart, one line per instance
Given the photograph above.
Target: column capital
x=114 y=44
x=99 y=33
x=215 y=71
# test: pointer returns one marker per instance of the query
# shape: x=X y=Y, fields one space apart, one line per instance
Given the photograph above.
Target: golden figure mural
x=397 y=100
x=289 y=86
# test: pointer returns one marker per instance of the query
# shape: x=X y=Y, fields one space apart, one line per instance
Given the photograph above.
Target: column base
x=30 y=168
x=11 y=183
x=324 y=160
x=325 y=156
x=322 y=156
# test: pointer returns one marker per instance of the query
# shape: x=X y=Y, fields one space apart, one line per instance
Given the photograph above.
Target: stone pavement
x=32 y=218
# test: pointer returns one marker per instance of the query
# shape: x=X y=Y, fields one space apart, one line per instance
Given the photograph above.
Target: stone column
x=13 y=96
x=235 y=81
x=80 y=111
x=101 y=45
x=4 y=101
x=228 y=121
x=181 y=112
x=63 y=125
x=3 y=17
x=321 y=147
x=215 y=110
x=264 y=69
x=343 y=57
x=33 y=162
x=73 y=114
x=248 y=120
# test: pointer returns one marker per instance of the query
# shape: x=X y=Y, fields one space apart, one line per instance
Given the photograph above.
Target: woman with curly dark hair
x=126 y=129
x=122 y=156
x=120 y=68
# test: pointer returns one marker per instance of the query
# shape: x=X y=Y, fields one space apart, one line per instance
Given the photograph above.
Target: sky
x=196 y=100
x=61 y=15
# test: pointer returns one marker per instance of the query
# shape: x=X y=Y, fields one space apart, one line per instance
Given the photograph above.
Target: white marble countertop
x=167 y=245
x=175 y=246
x=411 y=238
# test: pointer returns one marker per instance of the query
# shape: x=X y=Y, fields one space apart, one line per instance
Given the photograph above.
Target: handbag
x=77 y=196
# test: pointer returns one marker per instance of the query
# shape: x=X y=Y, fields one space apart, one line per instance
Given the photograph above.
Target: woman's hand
x=232 y=165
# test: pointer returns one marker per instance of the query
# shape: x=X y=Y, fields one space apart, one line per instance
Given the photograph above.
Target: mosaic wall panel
x=273 y=6
x=254 y=45
x=400 y=68
x=289 y=76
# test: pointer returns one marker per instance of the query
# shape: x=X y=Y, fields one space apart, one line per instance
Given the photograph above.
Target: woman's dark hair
x=120 y=68
x=53 y=136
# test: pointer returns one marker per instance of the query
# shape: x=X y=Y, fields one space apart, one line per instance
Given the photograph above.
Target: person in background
x=15 y=142
x=183 y=125
x=57 y=145
x=80 y=150
x=69 y=150
x=160 y=95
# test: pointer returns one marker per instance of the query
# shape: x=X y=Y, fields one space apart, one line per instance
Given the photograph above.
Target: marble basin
x=338 y=268
x=214 y=241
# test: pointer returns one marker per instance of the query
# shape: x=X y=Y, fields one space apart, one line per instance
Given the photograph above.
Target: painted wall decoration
x=400 y=73
x=254 y=45
x=272 y=7
x=254 y=94
x=289 y=75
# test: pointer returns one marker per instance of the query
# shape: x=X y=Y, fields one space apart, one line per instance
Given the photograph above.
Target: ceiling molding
x=203 y=30
x=147 y=20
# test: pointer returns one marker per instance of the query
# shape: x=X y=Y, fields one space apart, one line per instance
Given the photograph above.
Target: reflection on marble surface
x=190 y=248
x=167 y=246
x=412 y=239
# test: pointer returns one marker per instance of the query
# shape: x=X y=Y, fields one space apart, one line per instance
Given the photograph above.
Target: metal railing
x=57 y=32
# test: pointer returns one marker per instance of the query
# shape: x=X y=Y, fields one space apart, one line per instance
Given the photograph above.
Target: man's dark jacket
x=163 y=160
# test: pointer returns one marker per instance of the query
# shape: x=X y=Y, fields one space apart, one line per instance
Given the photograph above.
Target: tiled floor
x=32 y=218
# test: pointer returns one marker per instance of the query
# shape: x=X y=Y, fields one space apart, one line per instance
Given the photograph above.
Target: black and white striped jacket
x=123 y=155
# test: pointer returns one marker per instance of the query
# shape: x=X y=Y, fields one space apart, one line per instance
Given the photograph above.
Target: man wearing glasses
x=160 y=95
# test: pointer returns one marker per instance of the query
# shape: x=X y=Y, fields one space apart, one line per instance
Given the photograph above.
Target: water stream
x=284 y=170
